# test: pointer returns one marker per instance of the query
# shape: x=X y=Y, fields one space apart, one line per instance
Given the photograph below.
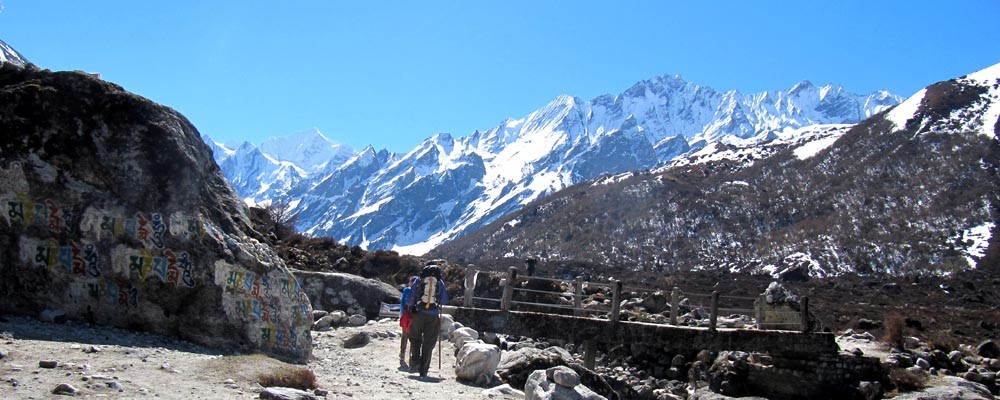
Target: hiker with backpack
x=405 y=317
x=427 y=295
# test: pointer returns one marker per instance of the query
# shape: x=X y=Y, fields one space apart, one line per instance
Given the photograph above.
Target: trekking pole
x=439 y=342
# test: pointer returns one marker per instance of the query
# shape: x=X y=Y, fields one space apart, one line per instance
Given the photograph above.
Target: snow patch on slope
x=906 y=110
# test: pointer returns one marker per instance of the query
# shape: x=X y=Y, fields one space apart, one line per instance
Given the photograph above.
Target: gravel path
x=115 y=363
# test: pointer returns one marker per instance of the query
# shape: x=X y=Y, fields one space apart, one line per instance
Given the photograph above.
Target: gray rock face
x=351 y=293
x=955 y=389
x=114 y=212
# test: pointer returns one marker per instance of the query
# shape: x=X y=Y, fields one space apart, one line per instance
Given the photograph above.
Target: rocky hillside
x=115 y=213
x=912 y=191
x=449 y=186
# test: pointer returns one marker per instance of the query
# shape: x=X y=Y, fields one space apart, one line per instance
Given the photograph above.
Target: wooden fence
x=767 y=318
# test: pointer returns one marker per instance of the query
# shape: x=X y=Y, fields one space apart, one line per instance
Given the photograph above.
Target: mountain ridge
x=910 y=191
x=447 y=186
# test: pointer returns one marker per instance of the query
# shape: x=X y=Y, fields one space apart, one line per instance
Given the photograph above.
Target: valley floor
x=143 y=365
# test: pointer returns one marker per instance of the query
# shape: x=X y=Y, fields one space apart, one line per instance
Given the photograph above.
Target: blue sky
x=392 y=73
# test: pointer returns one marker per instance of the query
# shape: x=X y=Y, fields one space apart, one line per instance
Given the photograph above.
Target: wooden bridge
x=779 y=333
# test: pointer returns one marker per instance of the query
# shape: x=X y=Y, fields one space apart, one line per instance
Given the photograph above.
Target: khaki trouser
x=424 y=332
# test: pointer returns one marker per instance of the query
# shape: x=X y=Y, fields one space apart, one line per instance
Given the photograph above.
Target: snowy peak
x=309 y=150
x=9 y=55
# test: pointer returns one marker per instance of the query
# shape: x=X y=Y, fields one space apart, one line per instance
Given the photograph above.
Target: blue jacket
x=442 y=295
x=405 y=296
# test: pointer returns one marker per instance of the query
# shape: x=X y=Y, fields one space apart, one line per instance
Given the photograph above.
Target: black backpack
x=427 y=289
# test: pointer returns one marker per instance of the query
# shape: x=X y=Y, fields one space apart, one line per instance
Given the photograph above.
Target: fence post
x=715 y=312
x=508 y=291
x=578 y=296
x=616 y=301
x=470 y=285
x=761 y=300
x=675 y=303
x=804 y=308
x=589 y=353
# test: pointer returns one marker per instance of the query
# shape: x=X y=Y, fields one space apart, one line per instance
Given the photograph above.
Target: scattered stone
x=356 y=340
x=280 y=393
x=502 y=391
x=678 y=361
x=321 y=392
x=540 y=386
x=955 y=357
x=776 y=293
x=65 y=389
x=317 y=314
x=115 y=385
x=867 y=324
x=92 y=349
x=229 y=382
x=48 y=363
x=923 y=364
x=3 y=354
x=988 y=349
x=324 y=322
x=871 y=390
x=357 y=320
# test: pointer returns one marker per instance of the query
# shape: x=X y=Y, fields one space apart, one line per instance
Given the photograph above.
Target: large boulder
x=115 y=212
x=477 y=363
x=350 y=293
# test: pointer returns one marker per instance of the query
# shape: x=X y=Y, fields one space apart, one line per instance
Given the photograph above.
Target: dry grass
x=290 y=377
x=263 y=369
x=907 y=381
x=892 y=331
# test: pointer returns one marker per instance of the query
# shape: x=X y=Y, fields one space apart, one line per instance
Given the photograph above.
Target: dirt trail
x=138 y=365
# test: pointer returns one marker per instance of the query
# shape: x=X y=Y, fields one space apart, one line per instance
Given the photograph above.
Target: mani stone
x=114 y=211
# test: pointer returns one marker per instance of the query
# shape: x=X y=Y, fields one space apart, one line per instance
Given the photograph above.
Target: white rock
x=540 y=387
x=565 y=377
x=502 y=391
x=477 y=363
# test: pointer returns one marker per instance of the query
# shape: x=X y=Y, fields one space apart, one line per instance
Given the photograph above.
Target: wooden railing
x=754 y=307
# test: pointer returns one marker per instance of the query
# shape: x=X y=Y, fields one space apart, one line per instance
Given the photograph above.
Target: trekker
x=405 y=318
x=427 y=295
x=530 y=264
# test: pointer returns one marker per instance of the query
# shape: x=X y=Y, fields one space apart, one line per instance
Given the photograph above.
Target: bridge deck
x=674 y=339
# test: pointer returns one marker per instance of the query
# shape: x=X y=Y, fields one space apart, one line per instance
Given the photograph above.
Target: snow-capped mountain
x=270 y=171
x=9 y=55
x=448 y=186
x=914 y=190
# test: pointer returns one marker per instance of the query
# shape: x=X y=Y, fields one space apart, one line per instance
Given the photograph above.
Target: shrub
x=906 y=380
x=942 y=341
x=290 y=377
x=892 y=331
